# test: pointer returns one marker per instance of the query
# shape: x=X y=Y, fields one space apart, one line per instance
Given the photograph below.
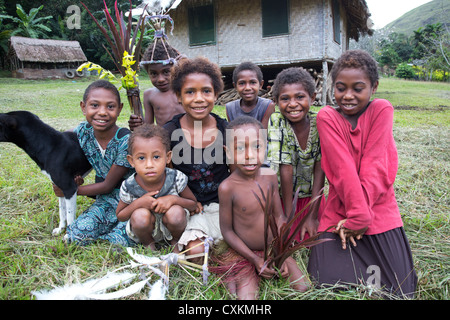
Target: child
x=105 y=146
x=294 y=147
x=197 y=140
x=242 y=219
x=360 y=161
x=248 y=80
x=160 y=102
x=154 y=199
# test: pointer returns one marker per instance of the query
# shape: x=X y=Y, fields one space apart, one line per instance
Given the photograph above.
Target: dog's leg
x=71 y=208
x=62 y=216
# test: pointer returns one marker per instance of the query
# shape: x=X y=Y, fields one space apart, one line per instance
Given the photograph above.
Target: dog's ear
x=8 y=121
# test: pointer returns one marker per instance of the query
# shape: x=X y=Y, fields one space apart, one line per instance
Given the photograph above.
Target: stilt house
x=273 y=34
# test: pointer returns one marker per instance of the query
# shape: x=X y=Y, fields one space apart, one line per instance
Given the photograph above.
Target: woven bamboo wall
x=239 y=33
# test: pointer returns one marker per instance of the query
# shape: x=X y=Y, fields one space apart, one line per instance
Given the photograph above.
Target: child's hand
x=199 y=209
x=146 y=201
x=134 y=121
x=345 y=234
x=311 y=225
x=79 y=180
x=163 y=204
x=58 y=192
x=267 y=273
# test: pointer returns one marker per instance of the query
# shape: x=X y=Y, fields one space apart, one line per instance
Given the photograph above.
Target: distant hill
x=429 y=13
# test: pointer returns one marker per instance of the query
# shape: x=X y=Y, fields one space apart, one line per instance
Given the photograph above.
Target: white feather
x=121 y=293
x=158 y=291
x=83 y=291
x=143 y=259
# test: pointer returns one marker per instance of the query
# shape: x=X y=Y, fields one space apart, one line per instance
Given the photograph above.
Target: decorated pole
x=125 y=46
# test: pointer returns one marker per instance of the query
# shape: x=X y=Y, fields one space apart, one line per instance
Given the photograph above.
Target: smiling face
x=248 y=85
x=248 y=149
x=101 y=109
x=353 y=90
x=149 y=159
x=197 y=95
x=294 y=102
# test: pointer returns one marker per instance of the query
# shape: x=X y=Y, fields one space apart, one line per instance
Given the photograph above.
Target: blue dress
x=99 y=221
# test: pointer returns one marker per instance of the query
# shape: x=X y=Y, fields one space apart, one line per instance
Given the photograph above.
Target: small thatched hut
x=44 y=58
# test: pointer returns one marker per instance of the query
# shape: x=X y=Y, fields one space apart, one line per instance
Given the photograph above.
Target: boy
x=155 y=200
x=248 y=80
x=242 y=220
x=160 y=102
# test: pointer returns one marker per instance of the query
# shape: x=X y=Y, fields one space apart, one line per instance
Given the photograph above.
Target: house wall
x=36 y=73
x=239 y=34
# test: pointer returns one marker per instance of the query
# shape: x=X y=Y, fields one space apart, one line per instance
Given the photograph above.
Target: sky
x=386 y=11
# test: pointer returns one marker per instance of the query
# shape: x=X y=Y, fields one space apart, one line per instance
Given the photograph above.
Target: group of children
x=195 y=174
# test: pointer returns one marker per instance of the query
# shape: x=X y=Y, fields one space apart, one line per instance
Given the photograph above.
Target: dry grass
x=31 y=259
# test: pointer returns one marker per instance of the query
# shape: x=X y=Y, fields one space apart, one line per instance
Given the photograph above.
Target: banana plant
x=27 y=24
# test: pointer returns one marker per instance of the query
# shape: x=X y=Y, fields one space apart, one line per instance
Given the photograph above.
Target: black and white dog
x=58 y=155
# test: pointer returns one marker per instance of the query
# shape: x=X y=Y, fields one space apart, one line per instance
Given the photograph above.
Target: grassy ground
x=31 y=259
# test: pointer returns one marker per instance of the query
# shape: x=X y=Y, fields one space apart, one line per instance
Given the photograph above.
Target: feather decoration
x=86 y=290
x=147 y=266
x=158 y=291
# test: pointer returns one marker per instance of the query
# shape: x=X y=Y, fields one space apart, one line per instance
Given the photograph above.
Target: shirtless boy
x=241 y=220
x=160 y=102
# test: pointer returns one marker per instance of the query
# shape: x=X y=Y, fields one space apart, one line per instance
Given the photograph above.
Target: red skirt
x=302 y=203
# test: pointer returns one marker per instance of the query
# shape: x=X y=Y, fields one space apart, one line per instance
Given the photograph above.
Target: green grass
x=32 y=259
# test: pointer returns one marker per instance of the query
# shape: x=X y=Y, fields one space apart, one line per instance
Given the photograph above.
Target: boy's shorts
x=160 y=232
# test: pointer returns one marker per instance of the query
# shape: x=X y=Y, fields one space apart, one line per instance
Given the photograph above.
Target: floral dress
x=99 y=221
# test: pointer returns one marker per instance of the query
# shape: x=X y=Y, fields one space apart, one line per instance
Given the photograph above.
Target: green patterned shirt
x=285 y=149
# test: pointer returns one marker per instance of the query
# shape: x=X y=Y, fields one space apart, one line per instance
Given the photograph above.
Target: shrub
x=405 y=71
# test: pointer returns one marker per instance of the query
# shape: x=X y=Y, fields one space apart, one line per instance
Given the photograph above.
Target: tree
x=432 y=48
x=27 y=24
x=388 y=56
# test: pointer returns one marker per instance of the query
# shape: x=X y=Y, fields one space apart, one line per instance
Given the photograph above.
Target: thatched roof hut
x=45 y=58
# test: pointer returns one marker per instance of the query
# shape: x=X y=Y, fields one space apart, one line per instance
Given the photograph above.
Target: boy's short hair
x=186 y=67
x=247 y=66
x=294 y=75
x=159 y=52
x=148 y=131
x=101 y=84
x=242 y=121
x=356 y=59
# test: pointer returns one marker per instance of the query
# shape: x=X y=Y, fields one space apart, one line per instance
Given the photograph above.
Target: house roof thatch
x=358 y=18
x=48 y=51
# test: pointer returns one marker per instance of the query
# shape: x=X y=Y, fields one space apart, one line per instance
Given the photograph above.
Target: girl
x=294 y=148
x=248 y=80
x=155 y=200
x=359 y=158
x=197 y=141
x=105 y=146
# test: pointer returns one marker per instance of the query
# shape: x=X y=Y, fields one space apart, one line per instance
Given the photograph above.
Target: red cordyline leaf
x=266 y=218
x=121 y=36
x=102 y=29
x=282 y=245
